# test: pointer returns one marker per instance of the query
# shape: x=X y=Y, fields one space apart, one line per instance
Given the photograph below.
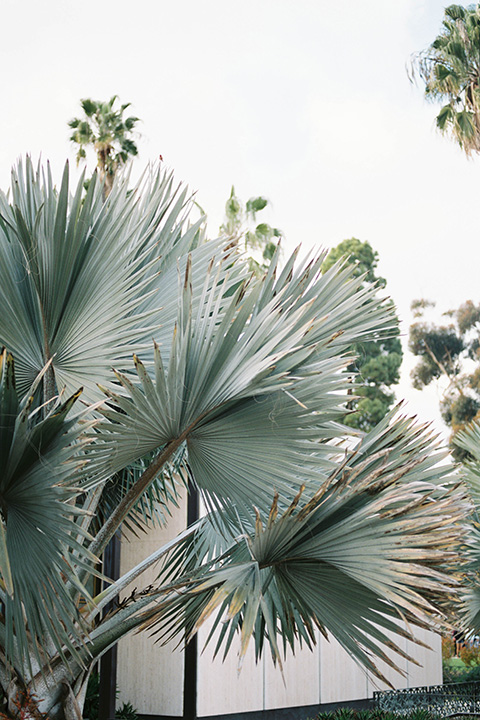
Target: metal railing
x=442 y=700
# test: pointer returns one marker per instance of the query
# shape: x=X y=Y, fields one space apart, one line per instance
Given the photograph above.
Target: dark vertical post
x=190 y=677
x=108 y=662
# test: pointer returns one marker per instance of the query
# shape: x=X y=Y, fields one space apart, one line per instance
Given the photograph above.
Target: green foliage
x=421 y=714
x=126 y=711
x=348 y=713
x=344 y=713
x=358 y=253
x=457 y=672
x=439 y=348
x=92 y=697
x=91 y=707
x=450 y=70
x=377 y=363
x=460 y=660
x=258 y=240
x=450 y=352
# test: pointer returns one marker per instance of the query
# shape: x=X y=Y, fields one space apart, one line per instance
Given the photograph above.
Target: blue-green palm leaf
x=246 y=380
x=376 y=545
x=255 y=394
x=42 y=459
x=469 y=440
x=81 y=277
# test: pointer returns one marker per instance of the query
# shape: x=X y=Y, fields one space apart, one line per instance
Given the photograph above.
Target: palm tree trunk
x=51 y=697
x=108 y=662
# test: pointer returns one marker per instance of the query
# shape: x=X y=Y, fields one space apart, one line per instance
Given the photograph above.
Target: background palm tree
x=450 y=68
x=246 y=234
x=104 y=128
x=308 y=524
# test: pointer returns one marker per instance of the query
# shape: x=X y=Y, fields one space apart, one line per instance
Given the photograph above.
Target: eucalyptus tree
x=376 y=365
x=449 y=353
x=240 y=394
x=104 y=128
x=450 y=69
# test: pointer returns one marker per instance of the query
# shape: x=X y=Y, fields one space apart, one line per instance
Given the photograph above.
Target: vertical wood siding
x=150 y=676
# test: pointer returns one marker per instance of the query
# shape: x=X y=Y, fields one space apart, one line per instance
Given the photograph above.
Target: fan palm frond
x=80 y=276
x=375 y=545
x=42 y=460
x=469 y=613
x=243 y=388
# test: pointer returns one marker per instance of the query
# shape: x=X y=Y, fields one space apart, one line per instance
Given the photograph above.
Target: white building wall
x=220 y=687
x=325 y=675
x=430 y=659
x=399 y=680
x=340 y=676
x=150 y=676
x=298 y=684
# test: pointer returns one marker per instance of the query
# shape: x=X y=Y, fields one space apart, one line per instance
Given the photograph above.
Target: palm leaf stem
x=5 y=669
x=115 y=588
x=101 y=639
x=131 y=498
x=59 y=665
x=136 y=614
x=90 y=505
x=116 y=626
x=49 y=385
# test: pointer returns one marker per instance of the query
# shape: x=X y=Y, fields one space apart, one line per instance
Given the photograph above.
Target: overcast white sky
x=304 y=101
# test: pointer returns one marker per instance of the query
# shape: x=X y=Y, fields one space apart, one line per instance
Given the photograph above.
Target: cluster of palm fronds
x=450 y=69
x=307 y=527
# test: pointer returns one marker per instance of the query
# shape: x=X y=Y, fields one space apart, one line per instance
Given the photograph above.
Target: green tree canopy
x=450 y=69
x=377 y=363
x=451 y=352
